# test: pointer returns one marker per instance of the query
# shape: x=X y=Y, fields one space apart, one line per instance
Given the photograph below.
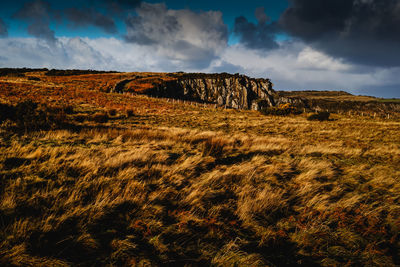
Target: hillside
x=342 y=102
x=90 y=176
x=223 y=90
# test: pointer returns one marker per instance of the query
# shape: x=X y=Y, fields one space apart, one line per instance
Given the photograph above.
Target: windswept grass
x=174 y=196
x=193 y=185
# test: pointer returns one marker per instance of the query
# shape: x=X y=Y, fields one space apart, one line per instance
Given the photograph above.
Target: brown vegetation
x=183 y=184
x=281 y=110
x=342 y=103
x=320 y=116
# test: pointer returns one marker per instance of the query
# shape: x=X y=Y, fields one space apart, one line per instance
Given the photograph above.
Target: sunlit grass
x=187 y=184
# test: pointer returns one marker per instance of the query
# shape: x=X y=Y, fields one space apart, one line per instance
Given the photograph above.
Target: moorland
x=92 y=177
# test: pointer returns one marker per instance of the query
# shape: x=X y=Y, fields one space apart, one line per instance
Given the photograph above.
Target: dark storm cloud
x=37 y=14
x=261 y=16
x=3 y=28
x=192 y=37
x=387 y=91
x=89 y=16
x=360 y=31
x=152 y=25
x=259 y=36
x=119 y=6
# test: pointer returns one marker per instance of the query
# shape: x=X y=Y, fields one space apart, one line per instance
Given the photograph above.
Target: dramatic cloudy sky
x=351 y=45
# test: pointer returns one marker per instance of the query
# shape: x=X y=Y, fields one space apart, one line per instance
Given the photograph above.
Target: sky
x=350 y=45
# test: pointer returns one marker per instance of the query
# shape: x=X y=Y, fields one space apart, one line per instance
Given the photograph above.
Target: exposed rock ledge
x=232 y=91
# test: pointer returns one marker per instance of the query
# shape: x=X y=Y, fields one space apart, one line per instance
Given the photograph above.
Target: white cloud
x=83 y=53
x=30 y=52
x=313 y=59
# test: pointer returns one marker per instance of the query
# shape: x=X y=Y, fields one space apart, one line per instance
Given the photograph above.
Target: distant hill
x=221 y=89
x=340 y=101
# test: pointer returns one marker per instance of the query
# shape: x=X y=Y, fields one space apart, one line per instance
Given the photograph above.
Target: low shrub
x=69 y=109
x=31 y=116
x=214 y=147
x=320 y=116
x=112 y=112
x=80 y=117
x=100 y=117
x=129 y=113
x=28 y=116
x=281 y=110
x=6 y=112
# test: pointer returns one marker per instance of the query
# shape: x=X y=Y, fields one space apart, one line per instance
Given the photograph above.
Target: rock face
x=232 y=91
x=295 y=101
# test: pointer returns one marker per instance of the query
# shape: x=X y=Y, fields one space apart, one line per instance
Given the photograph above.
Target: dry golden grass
x=328 y=95
x=201 y=186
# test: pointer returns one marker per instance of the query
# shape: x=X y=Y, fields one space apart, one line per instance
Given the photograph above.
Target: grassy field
x=328 y=95
x=155 y=182
x=390 y=100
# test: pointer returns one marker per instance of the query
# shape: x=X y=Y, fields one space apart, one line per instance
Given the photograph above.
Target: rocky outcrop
x=232 y=91
x=294 y=101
